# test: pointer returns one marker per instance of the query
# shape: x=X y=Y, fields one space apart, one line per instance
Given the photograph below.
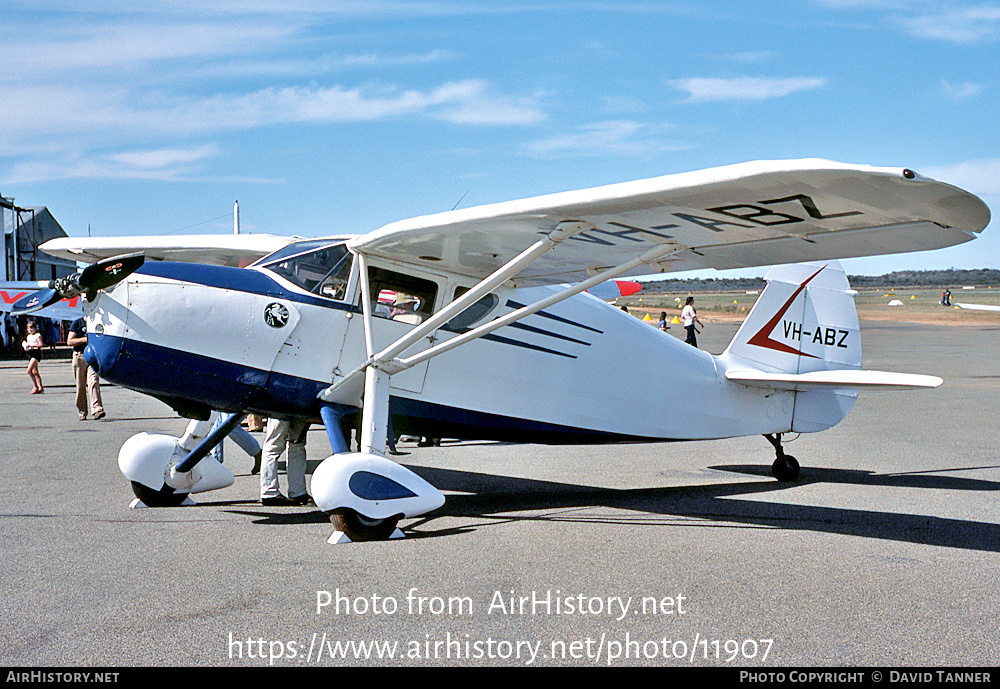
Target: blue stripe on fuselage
x=167 y=373
x=236 y=279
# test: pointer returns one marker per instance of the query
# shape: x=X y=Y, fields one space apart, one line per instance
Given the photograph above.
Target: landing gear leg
x=785 y=467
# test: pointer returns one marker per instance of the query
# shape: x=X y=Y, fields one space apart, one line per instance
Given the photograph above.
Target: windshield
x=323 y=271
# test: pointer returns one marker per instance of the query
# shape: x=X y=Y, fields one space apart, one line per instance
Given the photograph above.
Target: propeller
x=88 y=282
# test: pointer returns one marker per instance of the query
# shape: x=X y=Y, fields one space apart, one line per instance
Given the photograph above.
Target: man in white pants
x=277 y=436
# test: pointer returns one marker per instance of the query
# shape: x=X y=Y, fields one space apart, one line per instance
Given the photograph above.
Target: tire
x=165 y=497
x=360 y=528
x=785 y=469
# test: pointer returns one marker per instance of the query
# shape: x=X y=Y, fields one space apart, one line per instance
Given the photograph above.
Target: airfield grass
x=919 y=305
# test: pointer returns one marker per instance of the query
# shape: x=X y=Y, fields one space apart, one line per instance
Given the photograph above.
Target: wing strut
x=348 y=384
x=381 y=366
x=513 y=316
x=562 y=231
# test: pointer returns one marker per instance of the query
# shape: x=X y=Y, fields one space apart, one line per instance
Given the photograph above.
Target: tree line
x=900 y=278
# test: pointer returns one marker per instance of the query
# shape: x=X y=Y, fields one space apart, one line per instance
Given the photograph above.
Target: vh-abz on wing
x=744 y=215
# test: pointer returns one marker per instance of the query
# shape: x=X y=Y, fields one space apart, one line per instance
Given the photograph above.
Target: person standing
x=88 y=385
x=690 y=319
x=279 y=435
x=33 y=345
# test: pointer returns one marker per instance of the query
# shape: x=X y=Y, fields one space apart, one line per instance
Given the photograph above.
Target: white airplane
x=978 y=307
x=496 y=338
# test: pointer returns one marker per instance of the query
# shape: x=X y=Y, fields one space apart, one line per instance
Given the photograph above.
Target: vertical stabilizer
x=804 y=321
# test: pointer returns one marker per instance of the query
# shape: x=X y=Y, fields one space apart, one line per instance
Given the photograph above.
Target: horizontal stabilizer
x=842 y=378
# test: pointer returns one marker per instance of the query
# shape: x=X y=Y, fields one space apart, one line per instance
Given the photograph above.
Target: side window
x=334 y=284
x=474 y=313
x=401 y=297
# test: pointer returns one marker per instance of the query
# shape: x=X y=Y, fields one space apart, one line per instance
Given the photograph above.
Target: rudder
x=804 y=321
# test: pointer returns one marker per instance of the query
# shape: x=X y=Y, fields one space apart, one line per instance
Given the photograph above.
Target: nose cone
x=102 y=352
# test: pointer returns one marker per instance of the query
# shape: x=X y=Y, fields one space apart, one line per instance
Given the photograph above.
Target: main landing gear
x=358 y=527
x=785 y=467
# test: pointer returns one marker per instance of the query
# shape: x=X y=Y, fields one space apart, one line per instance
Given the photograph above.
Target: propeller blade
x=109 y=271
x=35 y=301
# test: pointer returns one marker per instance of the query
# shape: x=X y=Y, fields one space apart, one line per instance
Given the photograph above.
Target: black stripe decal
x=547 y=333
x=525 y=345
x=514 y=305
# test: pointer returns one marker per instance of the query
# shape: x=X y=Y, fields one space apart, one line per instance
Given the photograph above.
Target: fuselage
x=269 y=338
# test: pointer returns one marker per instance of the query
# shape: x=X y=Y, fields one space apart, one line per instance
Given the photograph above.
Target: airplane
x=13 y=291
x=496 y=338
x=978 y=307
x=69 y=309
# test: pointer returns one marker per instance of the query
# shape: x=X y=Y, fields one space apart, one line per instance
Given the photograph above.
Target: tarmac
x=885 y=552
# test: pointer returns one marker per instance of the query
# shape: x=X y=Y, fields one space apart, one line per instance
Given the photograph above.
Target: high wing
x=745 y=215
x=235 y=250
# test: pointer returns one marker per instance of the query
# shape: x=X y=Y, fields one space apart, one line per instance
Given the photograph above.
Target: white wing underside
x=744 y=215
x=750 y=214
x=222 y=249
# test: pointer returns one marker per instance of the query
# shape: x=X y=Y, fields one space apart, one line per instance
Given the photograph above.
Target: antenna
x=236 y=218
x=461 y=199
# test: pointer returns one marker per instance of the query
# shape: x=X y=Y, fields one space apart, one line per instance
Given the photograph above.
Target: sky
x=323 y=117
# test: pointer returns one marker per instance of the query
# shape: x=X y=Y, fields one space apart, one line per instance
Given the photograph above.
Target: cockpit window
x=293 y=249
x=323 y=271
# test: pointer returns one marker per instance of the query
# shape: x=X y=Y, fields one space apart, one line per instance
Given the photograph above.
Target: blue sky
x=323 y=117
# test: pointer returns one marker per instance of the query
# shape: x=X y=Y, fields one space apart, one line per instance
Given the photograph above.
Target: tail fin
x=802 y=337
x=804 y=321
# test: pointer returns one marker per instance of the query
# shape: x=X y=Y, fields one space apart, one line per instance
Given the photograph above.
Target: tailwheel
x=165 y=497
x=357 y=527
x=785 y=468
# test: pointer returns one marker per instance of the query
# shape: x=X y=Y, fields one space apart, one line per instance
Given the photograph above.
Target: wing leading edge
x=219 y=249
x=745 y=215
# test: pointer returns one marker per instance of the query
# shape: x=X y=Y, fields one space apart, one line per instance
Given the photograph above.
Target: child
x=33 y=344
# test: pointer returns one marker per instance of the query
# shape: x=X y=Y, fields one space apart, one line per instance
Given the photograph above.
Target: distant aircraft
x=612 y=289
x=491 y=335
x=63 y=309
x=12 y=292
x=977 y=307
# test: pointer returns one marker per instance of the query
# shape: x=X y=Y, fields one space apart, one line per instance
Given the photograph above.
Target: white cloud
x=623 y=104
x=326 y=64
x=47 y=129
x=961 y=91
x=613 y=137
x=470 y=102
x=62 y=52
x=865 y=4
x=980 y=176
x=465 y=102
x=701 y=89
x=747 y=57
x=164 y=158
x=161 y=164
x=33 y=116
x=957 y=25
